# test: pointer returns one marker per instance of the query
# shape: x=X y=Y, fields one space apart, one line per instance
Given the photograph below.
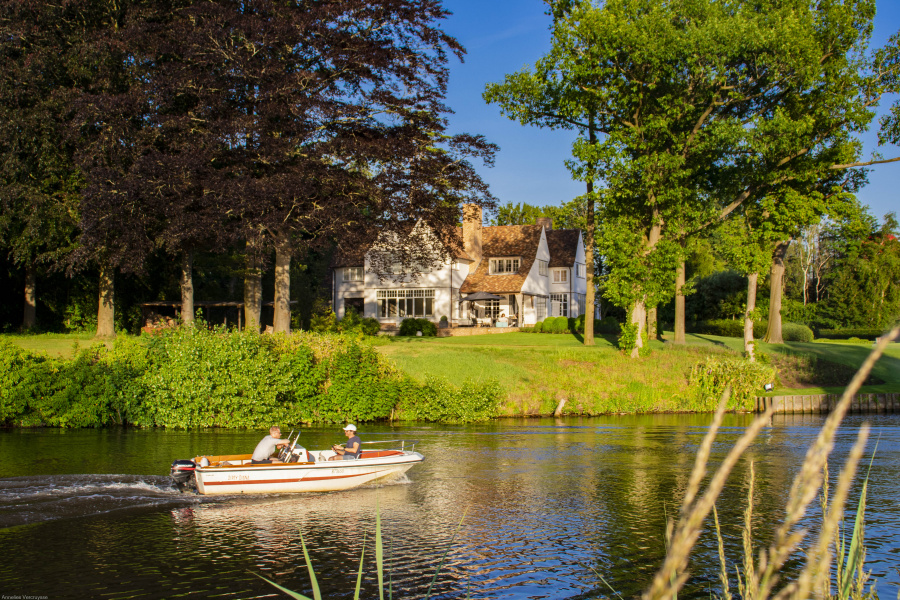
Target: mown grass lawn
x=55 y=344
x=540 y=369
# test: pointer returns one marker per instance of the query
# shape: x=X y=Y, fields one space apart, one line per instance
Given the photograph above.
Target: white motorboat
x=301 y=471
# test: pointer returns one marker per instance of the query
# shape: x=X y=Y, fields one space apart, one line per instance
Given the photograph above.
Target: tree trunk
x=283 y=283
x=773 y=334
x=187 y=287
x=253 y=291
x=589 y=252
x=652 y=322
x=639 y=318
x=639 y=312
x=752 y=278
x=679 y=304
x=106 y=316
x=30 y=312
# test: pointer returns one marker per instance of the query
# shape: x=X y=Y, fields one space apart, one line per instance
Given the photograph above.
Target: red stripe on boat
x=246 y=481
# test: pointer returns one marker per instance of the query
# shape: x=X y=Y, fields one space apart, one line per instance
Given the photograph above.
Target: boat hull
x=328 y=476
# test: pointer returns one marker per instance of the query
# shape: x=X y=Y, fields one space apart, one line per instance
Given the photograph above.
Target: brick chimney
x=545 y=222
x=472 y=232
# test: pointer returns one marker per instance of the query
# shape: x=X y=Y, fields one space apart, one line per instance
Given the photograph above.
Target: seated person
x=352 y=449
x=262 y=455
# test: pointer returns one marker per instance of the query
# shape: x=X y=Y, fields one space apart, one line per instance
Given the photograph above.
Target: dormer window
x=560 y=275
x=504 y=266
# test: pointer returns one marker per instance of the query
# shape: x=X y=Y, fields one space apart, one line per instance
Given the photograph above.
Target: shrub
x=710 y=378
x=796 y=332
x=628 y=339
x=438 y=400
x=841 y=334
x=607 y=325
x=538 y=327
x=370 y=326
x=729 y=328
x=560 y=325
x=413 y=326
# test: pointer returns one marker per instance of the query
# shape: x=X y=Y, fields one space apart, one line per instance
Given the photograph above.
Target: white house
x=534 y=270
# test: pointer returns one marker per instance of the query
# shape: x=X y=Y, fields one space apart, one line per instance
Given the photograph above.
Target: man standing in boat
x=264 y=449
x=352 y=449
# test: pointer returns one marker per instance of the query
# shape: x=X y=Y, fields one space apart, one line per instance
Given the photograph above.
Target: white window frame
x=400 y=304
x=354 y=273
x=560 y=276
x=543 y=267
x=579 y=270
x=505 y=266
x=559 y=305
x=540 y=307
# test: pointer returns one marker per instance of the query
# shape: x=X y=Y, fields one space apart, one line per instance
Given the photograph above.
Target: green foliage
x=796 y=332
x=709 y=379
x=438 y=400
x=323 y=322
x=728 y=328
x=607 y=325
x=194 y=377
x=538 y=327
x=354 y=323
x=842 y=334
x=413 y=326
x=791 y=332
x=557 y=325
x=628 y=339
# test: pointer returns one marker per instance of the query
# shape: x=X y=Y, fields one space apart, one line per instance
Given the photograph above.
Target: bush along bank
x=187 y=378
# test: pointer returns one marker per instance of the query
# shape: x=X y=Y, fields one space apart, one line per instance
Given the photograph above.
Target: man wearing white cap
x=351 y=450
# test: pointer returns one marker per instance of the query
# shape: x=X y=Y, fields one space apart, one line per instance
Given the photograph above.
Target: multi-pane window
x=500 y=266
x=579 y=270
x=405 y=303
x=397 y=267
x=542 y=267
x=560 y=275
x=353 y=274
x=540 y=307
x=559 y=305
x=577 y=305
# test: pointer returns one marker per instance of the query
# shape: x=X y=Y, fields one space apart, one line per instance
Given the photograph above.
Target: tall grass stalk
x=760 y=579
x=379 y=561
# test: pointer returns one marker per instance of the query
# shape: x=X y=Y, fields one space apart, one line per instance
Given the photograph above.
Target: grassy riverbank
x=538 y=370
x=535 y=371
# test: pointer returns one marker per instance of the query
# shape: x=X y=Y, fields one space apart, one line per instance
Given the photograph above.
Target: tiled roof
x=504 y=241
x=563 y=245
x=355 y=256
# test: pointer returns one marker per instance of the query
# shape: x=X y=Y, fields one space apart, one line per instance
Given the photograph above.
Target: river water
x=547 y=507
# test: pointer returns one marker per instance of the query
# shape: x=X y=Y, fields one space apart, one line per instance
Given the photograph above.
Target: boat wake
x=35 y=499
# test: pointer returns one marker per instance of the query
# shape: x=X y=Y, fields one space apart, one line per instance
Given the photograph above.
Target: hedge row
x=187 y=378
x=791 y=332
x=843 y=334
x=573 y=325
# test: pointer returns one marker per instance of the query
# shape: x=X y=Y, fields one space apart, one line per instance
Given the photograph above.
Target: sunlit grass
x=54 y=344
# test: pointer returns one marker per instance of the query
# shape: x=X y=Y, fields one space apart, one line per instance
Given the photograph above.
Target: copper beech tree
x=280 y=126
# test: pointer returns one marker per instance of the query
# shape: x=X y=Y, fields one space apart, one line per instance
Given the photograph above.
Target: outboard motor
x=182 y=473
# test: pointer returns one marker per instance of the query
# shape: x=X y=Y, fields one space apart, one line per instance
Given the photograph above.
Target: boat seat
x=380 y=453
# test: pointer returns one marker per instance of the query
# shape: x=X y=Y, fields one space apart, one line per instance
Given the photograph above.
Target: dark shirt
x=350 y=442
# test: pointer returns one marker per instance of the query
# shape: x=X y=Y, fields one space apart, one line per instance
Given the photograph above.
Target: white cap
x=350 y=427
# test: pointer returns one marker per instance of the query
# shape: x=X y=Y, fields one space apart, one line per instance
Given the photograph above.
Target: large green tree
x=703 y=106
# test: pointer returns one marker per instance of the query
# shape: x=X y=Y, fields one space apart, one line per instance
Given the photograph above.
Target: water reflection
x=546 y=503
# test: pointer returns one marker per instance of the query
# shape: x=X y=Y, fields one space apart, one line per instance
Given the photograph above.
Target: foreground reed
x=761 y=578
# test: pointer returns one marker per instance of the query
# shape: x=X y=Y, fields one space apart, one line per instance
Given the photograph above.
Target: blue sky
x=502 y=36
